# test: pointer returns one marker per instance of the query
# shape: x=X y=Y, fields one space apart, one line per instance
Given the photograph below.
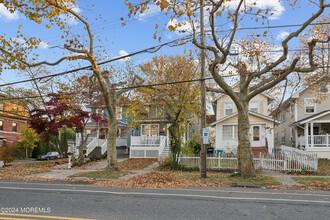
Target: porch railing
x=146 y=140
x=319 y=140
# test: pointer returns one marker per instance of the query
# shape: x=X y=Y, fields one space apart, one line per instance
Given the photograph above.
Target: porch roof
x=250 y=112
x=93 y=124
x=311 y=118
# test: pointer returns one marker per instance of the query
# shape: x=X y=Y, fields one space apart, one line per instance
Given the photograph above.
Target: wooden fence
x=295 y=162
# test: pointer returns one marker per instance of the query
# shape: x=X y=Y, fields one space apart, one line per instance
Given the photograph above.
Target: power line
x=148 y=50
x=129 y=87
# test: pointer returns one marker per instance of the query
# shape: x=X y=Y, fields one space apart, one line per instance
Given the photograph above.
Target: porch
x=313 y=134
x=148 y=146
x=149 y=140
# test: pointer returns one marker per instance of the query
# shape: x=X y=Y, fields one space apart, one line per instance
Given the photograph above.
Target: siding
x=262 y=100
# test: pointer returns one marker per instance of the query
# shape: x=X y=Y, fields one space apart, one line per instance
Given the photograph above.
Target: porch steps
x=165 y=152
x=257 y=150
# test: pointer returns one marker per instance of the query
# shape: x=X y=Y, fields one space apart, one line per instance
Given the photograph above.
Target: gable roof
x=312 y=117
x=263 y=93
x=250 y=112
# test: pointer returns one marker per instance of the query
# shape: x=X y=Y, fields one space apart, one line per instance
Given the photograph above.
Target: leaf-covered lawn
x=102 y=174
x=19 y=170
x=230 y=179
x=158 y=180
x=314 y=181
x=185 y=180
x=135 y=164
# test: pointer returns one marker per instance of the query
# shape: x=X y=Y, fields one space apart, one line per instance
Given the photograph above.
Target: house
x=12 y=118
x=98 y=131
x=150 y=138
x=226 y=124
x=305 y=121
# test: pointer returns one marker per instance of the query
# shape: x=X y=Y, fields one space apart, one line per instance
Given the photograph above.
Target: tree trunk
x=175 y=141
x=244 y=150
x=81 y=148
x=56 y=146
x=112 y=136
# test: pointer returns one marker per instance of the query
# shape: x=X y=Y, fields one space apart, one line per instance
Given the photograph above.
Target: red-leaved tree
x=59 y=114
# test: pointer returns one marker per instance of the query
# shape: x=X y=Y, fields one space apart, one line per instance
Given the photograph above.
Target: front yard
x=314 y=181
x=323 y=167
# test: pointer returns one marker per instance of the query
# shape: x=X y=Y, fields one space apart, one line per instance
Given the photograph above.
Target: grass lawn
x=314 y=181
x=229 y=179
x=323 y=167
x=135 y=164
x=102 y=174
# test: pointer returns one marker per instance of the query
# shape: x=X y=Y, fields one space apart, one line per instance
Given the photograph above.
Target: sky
x=137 y=34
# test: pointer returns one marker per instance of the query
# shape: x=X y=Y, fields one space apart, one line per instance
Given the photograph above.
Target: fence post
x=284 y=163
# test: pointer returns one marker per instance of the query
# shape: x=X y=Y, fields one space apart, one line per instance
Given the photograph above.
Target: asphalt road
x=41 y=200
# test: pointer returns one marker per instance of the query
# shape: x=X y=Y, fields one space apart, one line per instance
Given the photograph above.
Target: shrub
x=8 y=153
x=74 y=164
x=192 y=148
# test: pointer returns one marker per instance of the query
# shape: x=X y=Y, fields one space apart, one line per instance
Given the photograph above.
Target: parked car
x=49 y=156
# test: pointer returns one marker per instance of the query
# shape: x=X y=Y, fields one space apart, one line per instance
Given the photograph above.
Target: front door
x=256 y=135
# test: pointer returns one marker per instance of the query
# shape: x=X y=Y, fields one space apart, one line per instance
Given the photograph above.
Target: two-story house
x=226 y=124
x=305 y=121
x=150 y=136
x=12 y=118
x=97 y=132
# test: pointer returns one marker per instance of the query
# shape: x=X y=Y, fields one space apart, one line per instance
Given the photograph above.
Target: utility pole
x=203 y=102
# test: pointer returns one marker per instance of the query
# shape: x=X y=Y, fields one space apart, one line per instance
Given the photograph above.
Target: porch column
x=306 y=135
x=312 y=134
x=296 y=136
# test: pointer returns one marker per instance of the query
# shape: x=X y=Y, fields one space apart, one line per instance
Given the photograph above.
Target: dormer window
x=229 y=108
x=309 y=106
x=254 y=106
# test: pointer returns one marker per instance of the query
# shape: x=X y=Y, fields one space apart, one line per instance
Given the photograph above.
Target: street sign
x=205 y=136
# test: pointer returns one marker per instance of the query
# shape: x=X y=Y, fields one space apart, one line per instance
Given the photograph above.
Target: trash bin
x=210 y=150
x=219 y=153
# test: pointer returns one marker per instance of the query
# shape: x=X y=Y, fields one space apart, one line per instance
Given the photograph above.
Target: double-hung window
x=229 y=132
x=309 y=106
x=229 y=108
x=283 y=136
x=254 y=106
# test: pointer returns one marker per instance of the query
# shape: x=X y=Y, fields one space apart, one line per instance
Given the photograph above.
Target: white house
x=226 y=124
x=305 y=121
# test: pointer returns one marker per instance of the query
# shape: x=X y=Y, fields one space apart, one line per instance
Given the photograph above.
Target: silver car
x=49 y=156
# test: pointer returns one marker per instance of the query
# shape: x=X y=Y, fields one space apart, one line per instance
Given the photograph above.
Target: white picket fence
x=293 y=162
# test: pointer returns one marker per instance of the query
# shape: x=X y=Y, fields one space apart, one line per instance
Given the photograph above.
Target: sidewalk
x=285 y=179
x=65 y=174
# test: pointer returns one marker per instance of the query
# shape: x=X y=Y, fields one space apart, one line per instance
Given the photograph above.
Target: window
x=291 y=110
x=256 y=133
x=14 y=126
x=145 y=129
x=229 y=132
x=254 y=106
x=150 y=129
x=283 y=136
x=229 y=108
x=276 y=137
x=282 y=116
x=1 y=125
x=309 y=106
x=292 y=134
x=119 y=112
